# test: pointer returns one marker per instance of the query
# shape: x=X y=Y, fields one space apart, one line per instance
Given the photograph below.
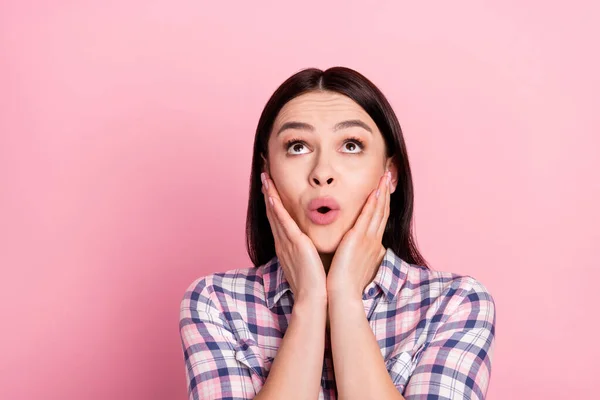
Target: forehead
x=322 y=106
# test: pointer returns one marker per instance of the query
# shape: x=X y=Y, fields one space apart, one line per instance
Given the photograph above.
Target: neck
x=326 y=260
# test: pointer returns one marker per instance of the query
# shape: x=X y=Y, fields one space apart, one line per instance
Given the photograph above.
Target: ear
x=392 y=167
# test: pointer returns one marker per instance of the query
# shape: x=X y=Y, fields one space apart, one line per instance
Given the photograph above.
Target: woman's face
x=326 y=162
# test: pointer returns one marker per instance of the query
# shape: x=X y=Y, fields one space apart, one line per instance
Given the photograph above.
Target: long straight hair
x=398 y=233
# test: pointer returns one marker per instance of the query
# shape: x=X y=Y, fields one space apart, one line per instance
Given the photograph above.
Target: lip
x=323 y=202
x=323 y=219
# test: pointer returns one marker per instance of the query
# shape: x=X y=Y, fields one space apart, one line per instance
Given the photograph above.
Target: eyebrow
x=308 y=127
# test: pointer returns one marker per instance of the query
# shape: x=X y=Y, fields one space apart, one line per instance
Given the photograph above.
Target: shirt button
x=371 y=291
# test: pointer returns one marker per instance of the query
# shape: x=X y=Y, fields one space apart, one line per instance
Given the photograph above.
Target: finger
x=270 y=195
x=378 y=210
x=364 y=219
x=286 y=224
x=277 y=235
x=272 y=218
x=386 y=209
x=361 y=221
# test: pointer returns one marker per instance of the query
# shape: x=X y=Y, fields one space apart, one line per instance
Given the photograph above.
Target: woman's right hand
x=296 y=252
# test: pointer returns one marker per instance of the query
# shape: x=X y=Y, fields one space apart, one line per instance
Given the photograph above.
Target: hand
x=297 y=254
x=360 y=252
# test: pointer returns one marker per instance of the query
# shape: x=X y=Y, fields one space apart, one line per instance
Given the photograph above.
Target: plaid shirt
x=435 y=331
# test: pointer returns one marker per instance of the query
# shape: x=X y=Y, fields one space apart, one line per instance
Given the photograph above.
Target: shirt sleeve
x=457 y=362
x=209 y=347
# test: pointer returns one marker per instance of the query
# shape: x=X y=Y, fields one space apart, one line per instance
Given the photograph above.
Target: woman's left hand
x=360 y=252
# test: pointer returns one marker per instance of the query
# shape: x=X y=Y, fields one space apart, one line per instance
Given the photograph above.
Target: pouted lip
x=319 y=202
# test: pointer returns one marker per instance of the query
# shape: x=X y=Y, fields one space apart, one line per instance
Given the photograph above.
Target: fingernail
x=389 y=178
x=263 y=178
x=271 y=201
x=377 y=193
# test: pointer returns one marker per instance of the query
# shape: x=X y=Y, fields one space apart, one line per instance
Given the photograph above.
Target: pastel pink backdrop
x=125 y=147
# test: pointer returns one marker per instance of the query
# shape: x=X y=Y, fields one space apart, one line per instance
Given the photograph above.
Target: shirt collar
x=390 y=277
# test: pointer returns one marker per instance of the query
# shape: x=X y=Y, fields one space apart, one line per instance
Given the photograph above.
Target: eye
x=354 y=143
x=295 y=145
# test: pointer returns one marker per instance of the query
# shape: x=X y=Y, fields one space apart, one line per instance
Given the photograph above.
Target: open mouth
x=323 y=210
x=323 y=215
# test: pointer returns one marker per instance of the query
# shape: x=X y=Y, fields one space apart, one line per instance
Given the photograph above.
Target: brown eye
x=354 y=146
x=294 y=146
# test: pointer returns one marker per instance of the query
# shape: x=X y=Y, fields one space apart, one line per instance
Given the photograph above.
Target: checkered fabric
x=435 y=331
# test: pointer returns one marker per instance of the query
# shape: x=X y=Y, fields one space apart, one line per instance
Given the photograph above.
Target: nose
x=322 y=175
x=323 y=172
x=318 y=181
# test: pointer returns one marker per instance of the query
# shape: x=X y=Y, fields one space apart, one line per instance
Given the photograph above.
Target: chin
x=325 y=242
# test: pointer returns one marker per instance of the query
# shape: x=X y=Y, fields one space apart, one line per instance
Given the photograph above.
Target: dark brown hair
x=398 y=232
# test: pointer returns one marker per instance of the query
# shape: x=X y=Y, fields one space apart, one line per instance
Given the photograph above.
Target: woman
x=339 y=302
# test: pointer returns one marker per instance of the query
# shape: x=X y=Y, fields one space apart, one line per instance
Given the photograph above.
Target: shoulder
x=223 y=290
x=445 y=294
x=444 y=283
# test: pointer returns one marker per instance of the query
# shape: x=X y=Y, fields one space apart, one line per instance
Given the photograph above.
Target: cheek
x=364 y=184
x=356 y=206
x=289 y=194
x=360 y=195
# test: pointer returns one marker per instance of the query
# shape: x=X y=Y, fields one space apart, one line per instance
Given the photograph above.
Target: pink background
x=126 y=136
